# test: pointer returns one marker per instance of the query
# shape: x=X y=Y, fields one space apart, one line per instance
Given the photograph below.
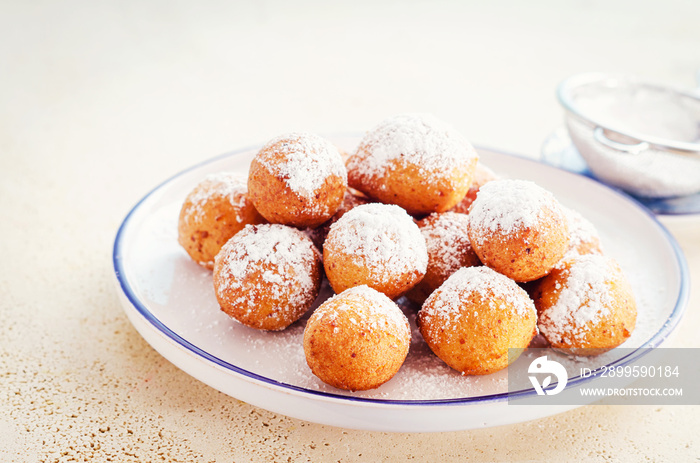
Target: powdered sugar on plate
x=308 y=161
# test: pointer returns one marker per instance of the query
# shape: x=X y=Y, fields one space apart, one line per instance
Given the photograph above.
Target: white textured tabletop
x=101 y=101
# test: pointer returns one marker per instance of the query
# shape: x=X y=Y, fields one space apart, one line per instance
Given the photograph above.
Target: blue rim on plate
x=117 y=259
x=559 y=151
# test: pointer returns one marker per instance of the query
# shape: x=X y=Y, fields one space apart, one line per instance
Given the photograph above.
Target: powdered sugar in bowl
x=641 y=137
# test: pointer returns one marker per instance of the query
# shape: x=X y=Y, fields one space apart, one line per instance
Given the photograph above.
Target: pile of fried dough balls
x=412 y=212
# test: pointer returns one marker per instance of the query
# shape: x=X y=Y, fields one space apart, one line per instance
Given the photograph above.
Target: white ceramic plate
x=170 y=301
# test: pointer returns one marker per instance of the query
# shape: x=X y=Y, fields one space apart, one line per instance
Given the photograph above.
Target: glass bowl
x=641 y=137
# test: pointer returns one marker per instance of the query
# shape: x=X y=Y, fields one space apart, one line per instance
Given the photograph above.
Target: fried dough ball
x=377 y=245
x=474 y=318
x=356 y=340
x=297 y=179
x=449 y=249
x=482 y=175
x=583 y=239
x=415 y=161
x=215 y=210
x=518 y=229
x=352 y=199
x=586 y=304
x=583 y=236
x=267 y=276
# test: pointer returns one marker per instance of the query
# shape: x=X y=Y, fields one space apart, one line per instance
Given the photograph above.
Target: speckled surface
x=100 y=103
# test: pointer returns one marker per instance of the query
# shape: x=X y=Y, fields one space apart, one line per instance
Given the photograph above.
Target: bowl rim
x=566 y=88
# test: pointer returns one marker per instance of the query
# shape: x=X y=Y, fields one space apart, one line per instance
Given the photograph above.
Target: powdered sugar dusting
x=452 y=297
x=374 y=312
x=283 y=254
x=583 y=301
x=417 y=139
x=581 y=232
x=504 y=206
x=446 y=236
x=230 y=185
x=381 y=236
x=309 y=160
